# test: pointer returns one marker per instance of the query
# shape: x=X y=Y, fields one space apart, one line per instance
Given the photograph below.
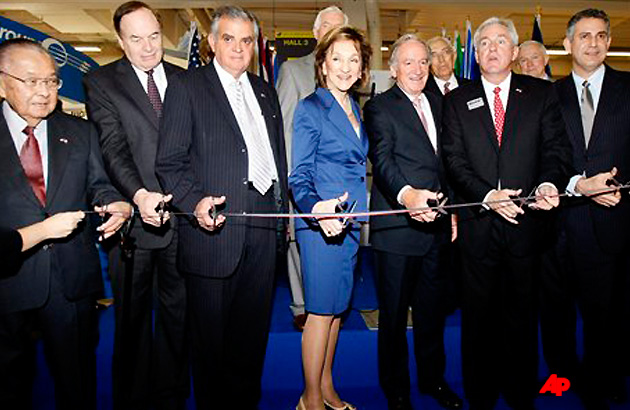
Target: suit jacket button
x=243 y=150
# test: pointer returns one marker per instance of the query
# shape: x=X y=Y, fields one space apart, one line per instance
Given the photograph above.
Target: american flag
x=194 y=58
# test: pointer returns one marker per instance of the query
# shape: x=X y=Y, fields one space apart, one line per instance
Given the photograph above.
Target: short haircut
x=130 y=7
x=585 y=14
x=507 y=23
x=405 y=38
x=340 y=34
x=7 y=46
x=233 y=13
x=538 y=44
x=433 y=40
x=329 y=9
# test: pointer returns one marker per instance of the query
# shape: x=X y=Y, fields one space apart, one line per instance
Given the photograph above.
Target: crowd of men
x=542 y=164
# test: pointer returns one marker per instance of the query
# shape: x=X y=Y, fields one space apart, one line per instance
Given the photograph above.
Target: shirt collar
x=158 y=70
x=595 y=79
x=15 y=121
x=411 y=97
x=504 y=85
x=452 y=81
x=226 y=78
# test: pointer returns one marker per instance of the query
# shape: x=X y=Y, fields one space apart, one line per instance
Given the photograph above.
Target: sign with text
x=293 y=44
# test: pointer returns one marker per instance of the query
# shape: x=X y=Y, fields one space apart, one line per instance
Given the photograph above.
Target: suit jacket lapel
x=130 y=84
x=59 y=147
x=608 y=98
x=567 y=95
x=515 y=96
x=485 y=115
x=214 y=87
x=409 y=114
x=270 y=117
x=339 y=119
x=11 y=165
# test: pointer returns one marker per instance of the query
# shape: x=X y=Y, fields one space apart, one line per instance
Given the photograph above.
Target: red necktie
x=154 y=94
x=31 y=160
x=499 y=115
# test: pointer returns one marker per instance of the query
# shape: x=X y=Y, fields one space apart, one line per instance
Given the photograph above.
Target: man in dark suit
x=51 y=164
x=502 y=137
x=594 y=238
x=221 y=145
x=403 y=126
x=442 y=57
x=124 y=100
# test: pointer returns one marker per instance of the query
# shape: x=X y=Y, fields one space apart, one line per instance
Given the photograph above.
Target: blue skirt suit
x=329 y=158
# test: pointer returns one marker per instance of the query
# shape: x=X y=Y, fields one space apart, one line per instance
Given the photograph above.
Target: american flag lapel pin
x=63 y=140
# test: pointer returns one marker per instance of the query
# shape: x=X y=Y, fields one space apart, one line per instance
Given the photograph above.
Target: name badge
x=476 y=103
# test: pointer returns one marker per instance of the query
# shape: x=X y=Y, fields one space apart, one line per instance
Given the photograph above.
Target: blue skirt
x=327 y=268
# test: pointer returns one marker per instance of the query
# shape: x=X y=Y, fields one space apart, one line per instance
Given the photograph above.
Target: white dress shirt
x=228 y=82
x=452 y=83
x=159 y=76
x=16 y=126
x=432 y=131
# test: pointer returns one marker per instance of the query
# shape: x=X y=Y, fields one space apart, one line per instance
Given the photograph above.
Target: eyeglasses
x=52 y=82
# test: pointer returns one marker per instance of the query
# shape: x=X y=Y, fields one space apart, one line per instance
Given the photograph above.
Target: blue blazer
x=328 y=157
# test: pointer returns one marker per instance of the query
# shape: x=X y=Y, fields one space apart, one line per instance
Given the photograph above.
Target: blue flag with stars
x=194 y=58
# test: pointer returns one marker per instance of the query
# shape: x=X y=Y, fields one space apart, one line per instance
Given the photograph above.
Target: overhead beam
x=102 y=16
x=173 y=27
x=203 y=17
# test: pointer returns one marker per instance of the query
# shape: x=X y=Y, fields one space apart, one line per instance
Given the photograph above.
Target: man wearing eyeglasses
x=51 y=163
x=124 y=100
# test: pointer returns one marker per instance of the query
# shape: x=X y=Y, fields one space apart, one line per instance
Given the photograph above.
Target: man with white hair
x=533 y=58
x=296 y=80
x=503 y=137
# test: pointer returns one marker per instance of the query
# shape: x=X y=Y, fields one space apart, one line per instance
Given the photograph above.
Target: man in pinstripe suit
x=594 y=236
x=221 y=145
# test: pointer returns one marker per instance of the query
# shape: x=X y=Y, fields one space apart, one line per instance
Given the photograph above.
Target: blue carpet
x=355 y=368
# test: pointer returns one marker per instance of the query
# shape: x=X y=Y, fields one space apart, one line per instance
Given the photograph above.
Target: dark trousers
x=418 y=282
x=70 y=333
x=229 y=320
x=150 y=362
x=601 y=282
x=499 y=328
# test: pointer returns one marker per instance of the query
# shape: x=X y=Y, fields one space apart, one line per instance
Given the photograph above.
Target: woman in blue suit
x=329 y=165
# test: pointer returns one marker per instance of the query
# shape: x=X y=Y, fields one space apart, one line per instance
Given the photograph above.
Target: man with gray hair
x=442 y=57
x=533 y=59
x=296 y=80
x=403 y=125
x=221 y=146
x=503 y=137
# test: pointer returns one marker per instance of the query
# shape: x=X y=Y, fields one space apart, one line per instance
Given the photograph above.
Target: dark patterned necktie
x=446 y=87
x=154 y=94
x=31 y=160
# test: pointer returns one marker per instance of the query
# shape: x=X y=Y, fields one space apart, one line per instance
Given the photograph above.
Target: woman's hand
x=331 y=225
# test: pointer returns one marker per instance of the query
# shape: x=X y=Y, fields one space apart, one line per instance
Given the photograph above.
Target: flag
x=194 y=57
x=459 y=55
x=537 y=36
x=470 y=68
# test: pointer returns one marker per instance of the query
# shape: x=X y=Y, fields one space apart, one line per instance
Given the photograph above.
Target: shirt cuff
x=485 y=198
x=546 y=184
x=570 y=189
x=401 y=192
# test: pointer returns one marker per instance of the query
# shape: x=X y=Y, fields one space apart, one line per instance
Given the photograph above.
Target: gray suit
x=296 y=80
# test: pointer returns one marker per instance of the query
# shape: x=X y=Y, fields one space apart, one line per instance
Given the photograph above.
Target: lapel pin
x=262 y=95
x=63 y=140
x=518 y=90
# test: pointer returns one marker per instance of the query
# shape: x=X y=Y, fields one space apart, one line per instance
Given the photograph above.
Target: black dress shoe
x=399 y=403
x=445 y=397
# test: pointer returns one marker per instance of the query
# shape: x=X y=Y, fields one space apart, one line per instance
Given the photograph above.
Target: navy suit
x=409 y=255
x=590 y=260
x=501 y=259
x=149 y=361
x=229 y=272
x=329 y=158
x=58 y=281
